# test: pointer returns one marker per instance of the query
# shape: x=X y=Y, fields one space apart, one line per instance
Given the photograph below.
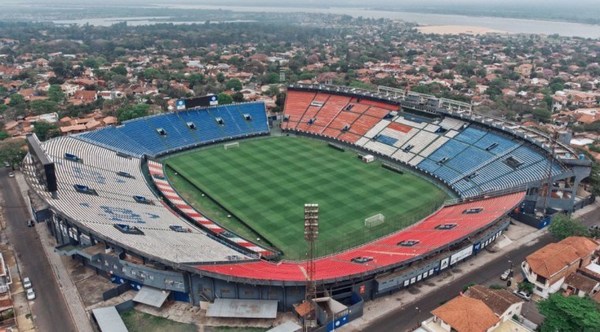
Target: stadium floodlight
x=311 y=233
x=311 y=222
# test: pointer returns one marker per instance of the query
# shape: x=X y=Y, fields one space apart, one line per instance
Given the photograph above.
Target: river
x=510 y=25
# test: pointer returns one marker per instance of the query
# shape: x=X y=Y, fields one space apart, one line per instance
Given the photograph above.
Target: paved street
x=50 y=312
x=409 y=317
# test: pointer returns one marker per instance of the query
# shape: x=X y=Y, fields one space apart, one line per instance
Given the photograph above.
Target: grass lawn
x=139 y=321
x=265 y=182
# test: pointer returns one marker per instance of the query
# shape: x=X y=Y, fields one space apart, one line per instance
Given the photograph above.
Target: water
x=138 y=21
x=510 y=25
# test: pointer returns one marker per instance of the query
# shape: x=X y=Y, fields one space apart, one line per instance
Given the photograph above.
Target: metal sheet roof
x=151 y=296
x=243 y=308
x=109 y=320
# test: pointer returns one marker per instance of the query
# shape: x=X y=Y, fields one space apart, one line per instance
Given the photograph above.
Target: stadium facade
x=114 y=210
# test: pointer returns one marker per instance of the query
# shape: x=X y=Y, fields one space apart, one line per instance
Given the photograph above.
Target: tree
x=16 y=100
x=224 y=99
x=43 y=106
x=238 y=97
x=595 y=179
x=120 y=69
x=542 y=115
x=526 y=287
x=570 y=313
x=234 y=84
x=45 y=130
x=12 y=151
x=220 y=77
x=563 y=226
x=272 y=91
x=132 y=111
x=3 y=135
x=56 y=94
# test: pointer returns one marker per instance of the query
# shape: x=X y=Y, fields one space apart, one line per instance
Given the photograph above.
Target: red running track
x=384 y=251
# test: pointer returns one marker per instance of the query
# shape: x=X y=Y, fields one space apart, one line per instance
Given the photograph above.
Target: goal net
x=375 y=220
x=233 y=145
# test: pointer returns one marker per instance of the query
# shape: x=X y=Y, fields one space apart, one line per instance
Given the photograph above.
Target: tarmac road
x=50 y=312
x=410 y=317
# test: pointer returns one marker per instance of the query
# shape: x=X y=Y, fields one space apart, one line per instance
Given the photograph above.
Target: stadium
x=206 y=203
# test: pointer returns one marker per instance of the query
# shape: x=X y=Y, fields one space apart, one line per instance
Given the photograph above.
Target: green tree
x=238 y=97
x=563 y=226
x=132 y=111
x=220 y=77
x=224 y=99
x=16 y=100
x=542 y=114
x=595 y=179
x=270 y=78
x=3 y=135
x=45 y=130
x=120 y=69
x=43 y=106
x=279 y=102
x=234 y=84
x=526 y=287
x=12 y=151
x=571 y=313
x=56 y=94
x=272 y=91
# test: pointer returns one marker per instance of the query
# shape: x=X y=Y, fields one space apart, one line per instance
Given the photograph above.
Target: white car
x=11 y=174
x=505 y=274
x=30 y=294
x=523 y=295
x=26 y=282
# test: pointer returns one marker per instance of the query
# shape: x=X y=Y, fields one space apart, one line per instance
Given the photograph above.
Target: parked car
x=506 y=274
x=11 y=174
x=30 y=223
x=6 y=164
x=30 y=294
x=26 y=282
x=523 y=295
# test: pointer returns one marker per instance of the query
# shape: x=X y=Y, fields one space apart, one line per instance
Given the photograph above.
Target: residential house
x=580 y=285
x=524 y=70
x=548 y=267
x=503 y=303
x=480 y=309
x=83 y=97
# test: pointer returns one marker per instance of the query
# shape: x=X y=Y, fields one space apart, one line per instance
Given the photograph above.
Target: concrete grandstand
x=115 y=211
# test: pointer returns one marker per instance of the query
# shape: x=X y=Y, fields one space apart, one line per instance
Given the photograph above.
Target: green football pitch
x=265 y=183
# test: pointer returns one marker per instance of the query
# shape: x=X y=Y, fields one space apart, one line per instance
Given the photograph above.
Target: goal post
x=375 y=220
x=233 y=145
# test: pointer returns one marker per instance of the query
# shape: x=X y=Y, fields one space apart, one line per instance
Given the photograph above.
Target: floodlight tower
x=311 y=233
x=549 y=182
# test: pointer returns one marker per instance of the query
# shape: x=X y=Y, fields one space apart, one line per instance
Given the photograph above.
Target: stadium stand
x=161 y=134
x=122 y=200
x=386 y=251
x=464 y=156
x=158 y=177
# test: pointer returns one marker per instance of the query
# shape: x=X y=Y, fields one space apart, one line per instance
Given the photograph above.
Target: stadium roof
x=384 y=252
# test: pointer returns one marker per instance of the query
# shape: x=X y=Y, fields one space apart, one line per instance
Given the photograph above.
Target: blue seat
x=141 y=136
x=470 y=135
